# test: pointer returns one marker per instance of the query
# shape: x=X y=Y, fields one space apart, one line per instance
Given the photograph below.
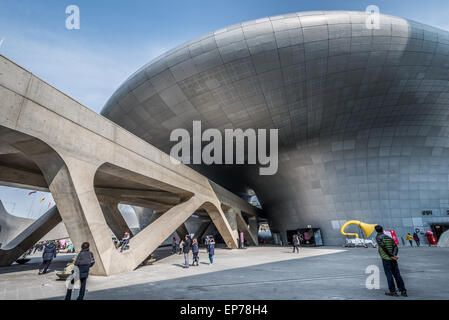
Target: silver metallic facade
x=362 y=114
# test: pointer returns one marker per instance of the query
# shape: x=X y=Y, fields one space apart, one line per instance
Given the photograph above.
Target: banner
x=392 y=234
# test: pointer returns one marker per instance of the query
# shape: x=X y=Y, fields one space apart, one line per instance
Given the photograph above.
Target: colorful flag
x=32 y=192
x=42 y=199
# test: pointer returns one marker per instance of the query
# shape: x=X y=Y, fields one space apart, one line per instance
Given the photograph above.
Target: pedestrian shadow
x=206 y=263
x=178 y=265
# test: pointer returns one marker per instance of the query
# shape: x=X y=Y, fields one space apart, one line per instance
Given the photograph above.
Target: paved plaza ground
x=255 y=273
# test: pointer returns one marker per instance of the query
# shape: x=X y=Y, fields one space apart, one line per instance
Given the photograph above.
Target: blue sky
x=118 y=37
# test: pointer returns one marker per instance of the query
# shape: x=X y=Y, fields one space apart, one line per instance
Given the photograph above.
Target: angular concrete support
x=10 y=176
x=202 y=229
x=114 y=217
x=77 y=151
x=70 y=181
x=231 y=218
x=219 y=220
x=182 y=231
x=10 y=225
x=242 y=226
x=147 y=240
x=27 y=238
x=254 y=228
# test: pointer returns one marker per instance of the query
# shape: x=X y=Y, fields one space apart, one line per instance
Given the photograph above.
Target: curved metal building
x=362 y=114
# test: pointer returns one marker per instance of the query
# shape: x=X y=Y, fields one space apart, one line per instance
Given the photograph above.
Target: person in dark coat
x=187 y=243
x=48 y=255
x=174 y=245
x=195 y=251
x=211 y=250
x=416 y=238
x=84 y=261
x=295 y=242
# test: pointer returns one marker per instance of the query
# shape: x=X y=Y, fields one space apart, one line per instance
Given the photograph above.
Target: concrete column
x=242 y=226
x=27 y=238
x=147 y=240
x=202 y=229
x=73 y=190
x=254 y=228
x=114 y=217
x=231 y=218
x=182 y=231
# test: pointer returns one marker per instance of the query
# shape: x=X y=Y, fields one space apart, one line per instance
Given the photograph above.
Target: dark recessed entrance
x=438 y=229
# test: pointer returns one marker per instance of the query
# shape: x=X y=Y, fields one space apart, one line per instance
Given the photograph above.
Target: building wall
x=362 y=114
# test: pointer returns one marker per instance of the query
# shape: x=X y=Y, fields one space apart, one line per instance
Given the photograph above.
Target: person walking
x=207 y=242
x=409 y=239
x=125 y=241
x=38 y=247
x=211 y=250
x=388 y=251
x=416 y=238
x=187 y=243
x=47 y=256
x=195 y=251
x=84 y=261
x=174 y=245
x=295 y=242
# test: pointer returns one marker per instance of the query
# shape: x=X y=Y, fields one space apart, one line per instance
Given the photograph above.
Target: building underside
x=362 y=115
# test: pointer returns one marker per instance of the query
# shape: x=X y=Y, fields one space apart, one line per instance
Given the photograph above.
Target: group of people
x=84 y=261
x=388 y=251
x=60 y=245
x=429 y=235
x=188 y=244
x=415 y=237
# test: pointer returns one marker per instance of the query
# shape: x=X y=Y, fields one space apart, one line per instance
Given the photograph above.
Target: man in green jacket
x=388 y=251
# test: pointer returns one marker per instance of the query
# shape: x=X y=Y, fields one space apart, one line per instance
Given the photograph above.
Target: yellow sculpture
x=366 y=227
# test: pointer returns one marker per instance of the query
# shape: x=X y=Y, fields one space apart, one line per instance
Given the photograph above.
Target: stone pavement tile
x=254 y=273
